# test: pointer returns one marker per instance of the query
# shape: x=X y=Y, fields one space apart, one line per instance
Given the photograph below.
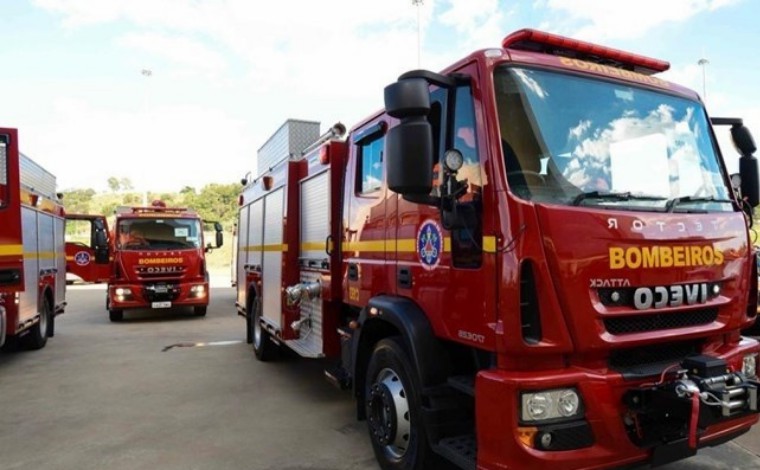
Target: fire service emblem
x=429 y=244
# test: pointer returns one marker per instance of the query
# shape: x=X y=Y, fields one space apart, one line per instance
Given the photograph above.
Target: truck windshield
x=158 y=234
x=583 y=141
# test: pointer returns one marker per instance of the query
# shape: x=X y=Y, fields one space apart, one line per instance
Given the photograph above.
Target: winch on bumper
x=671 y=415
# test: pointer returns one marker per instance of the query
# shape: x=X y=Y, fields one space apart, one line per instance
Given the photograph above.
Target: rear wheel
x=263 y=346
x=200 y=311
x=38 y=334
x=392 y=397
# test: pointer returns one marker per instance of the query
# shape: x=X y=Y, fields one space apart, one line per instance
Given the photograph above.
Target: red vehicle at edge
x=32 y=261
x=533 y=259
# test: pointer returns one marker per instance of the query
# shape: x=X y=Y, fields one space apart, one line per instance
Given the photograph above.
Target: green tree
x=78 y=201
x=113 y=184
x=126 y=184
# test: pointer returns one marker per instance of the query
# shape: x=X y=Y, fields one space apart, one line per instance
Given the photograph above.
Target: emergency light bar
x=547 y=43
x=146 y=210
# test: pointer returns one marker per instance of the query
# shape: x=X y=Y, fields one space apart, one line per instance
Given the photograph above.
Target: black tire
x=114 y=315
x=38 y=334
x=200 y=311
x=393 y=404
x=263 y=347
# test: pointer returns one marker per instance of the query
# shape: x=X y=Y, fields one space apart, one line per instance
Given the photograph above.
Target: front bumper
x=612 y=431
x=158 y=295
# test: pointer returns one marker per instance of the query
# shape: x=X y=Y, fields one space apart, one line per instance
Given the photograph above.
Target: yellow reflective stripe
x=489 y=244
x=404 y=245
x=41 y=255
x=315 y=246
x=272 y=247
x=69 y=258
x=367 y=245
x=10 y=250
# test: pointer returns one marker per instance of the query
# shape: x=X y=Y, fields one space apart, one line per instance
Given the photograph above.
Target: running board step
x=338 y=377
x=462 y=451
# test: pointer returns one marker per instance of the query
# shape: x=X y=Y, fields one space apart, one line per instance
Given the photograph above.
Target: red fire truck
x=156 y=256
x=32 y=258
x=533 y=259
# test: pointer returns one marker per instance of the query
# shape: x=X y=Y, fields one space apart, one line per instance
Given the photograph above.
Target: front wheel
x=263 y=346
x=200 y=311
x=392 y=397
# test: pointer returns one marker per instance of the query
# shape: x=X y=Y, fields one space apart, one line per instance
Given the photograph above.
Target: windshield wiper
x=672 y=203
x=614 y=196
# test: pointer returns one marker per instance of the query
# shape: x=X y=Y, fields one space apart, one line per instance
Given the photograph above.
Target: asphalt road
x=103 y=395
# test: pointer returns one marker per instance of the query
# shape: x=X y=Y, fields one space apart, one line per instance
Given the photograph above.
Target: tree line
x=214 y=202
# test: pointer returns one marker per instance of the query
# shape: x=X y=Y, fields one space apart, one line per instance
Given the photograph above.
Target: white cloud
x=178 y=49
x=164 y=148
x=627 y=20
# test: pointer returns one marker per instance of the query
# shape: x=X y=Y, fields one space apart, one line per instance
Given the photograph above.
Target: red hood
x=677 y=258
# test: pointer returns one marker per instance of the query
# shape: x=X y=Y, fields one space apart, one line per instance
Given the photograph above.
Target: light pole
x=147 y=73
x=418 y=4
x=703 y=63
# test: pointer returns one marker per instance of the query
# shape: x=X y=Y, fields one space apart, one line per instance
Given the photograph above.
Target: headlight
x=550 y=404
x=198 y=290
x=122 y=291
x=749 y=365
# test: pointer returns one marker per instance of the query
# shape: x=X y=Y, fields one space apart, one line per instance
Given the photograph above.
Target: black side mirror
x=409 y=147
x=748 y=168
x=219 y=239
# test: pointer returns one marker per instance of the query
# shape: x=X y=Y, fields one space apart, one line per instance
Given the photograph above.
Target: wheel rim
x=388 y=413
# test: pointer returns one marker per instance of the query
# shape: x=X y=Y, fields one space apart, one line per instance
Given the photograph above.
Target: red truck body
x=32 y=259
x=532 y=260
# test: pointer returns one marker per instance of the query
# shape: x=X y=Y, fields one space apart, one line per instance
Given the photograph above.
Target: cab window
x=370 y=165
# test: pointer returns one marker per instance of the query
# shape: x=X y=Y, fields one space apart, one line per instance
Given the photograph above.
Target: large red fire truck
x=156 y=258
x=32 y=258
x=533 y=259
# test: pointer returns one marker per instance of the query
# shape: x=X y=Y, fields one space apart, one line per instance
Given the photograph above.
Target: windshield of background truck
x=583 y=141
x=158 y=234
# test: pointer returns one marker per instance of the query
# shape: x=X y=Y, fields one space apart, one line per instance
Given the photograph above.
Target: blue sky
x=225 y=74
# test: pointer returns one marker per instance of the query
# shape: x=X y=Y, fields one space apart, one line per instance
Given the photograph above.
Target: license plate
x=160 y=304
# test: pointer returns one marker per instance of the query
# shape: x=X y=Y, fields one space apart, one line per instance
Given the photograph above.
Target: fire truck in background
x=32 y=259
x=533 y=259
x=159 y=260
x=155 y=258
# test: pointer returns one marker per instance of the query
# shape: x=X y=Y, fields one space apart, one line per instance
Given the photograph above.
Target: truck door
x=367 y=272
x=88 y=248
x=447 y=267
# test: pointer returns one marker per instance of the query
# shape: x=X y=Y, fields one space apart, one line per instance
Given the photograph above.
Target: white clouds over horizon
x=229 y=72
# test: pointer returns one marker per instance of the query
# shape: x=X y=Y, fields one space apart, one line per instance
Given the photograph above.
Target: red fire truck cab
x=533 y=259
x=159 y=260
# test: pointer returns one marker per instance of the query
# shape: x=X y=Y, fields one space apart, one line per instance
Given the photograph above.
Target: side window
x=466 y=249
x=80 y=232
x=370 y=165
x=3 y=176
x=465 y=139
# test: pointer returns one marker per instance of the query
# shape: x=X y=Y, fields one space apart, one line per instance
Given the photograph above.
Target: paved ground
x=104 y=395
